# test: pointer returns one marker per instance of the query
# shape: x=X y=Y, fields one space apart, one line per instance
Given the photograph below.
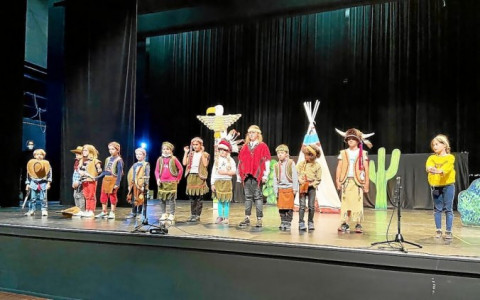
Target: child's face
x=78 y=156
x=309 y=157
x=139 y=155
x=196 y=146
x=85 y=152
x=253 y=135
x=223 y=152
x=166 y=151
x=281 y=155
x=112 y=151
x=438 y=147
x=352 y=143
x=39 y=155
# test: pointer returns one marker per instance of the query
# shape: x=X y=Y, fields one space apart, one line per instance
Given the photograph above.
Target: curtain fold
x=100 y=83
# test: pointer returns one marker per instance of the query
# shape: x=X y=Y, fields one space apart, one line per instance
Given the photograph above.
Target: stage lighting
x=143 y=145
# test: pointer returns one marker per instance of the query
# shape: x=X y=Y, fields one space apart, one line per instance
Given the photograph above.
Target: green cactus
x=382 y=176
x=267 y=188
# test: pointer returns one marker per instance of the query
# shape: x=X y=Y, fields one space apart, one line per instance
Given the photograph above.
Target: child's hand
x=48 y=185
x=186 y=149
x=213 y=188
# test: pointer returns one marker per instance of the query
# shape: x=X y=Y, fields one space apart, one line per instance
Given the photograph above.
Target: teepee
x=327 y=196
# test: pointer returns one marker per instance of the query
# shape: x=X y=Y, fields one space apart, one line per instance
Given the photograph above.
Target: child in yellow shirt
x=441 y=178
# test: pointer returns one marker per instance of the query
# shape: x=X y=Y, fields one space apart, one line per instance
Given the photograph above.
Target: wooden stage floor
x=417 y=226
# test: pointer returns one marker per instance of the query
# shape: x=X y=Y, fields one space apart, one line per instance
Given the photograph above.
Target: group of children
x=351 y=179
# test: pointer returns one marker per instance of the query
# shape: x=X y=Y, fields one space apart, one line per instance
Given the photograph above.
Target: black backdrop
x=100 y=63
x=399 y=69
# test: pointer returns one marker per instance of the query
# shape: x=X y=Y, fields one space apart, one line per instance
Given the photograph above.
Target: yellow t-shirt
x=446 y=164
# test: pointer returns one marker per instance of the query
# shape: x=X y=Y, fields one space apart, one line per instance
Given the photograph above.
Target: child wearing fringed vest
x=138 y=177
x=168 y=172
x=309 y=177
x=196 y=162
x=285 y=186
x=89 y=167
x=112 y=176
x=224 y=167
x=352 y=178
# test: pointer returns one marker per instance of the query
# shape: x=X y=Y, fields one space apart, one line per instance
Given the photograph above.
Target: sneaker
x=88 y=214
x=282 y=226
x=259 y=222
x=288 y=226
x=103 y=214
x=171 y=218
x=192 y=219
x=29 y=213
x=218 y=220
x=301 y=226
x=225 y=221
x=310 y=226
x=111 y=215
x=448 y=235
x=78 y=214
x=164 y=217
x=344 y=227
x=197 y=218
x=131 y=216
x=438 y=234
x=358 y=228
x=245 y=222
x=44 y=213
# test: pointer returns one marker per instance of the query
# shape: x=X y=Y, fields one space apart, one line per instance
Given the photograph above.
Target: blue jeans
x=443 y=200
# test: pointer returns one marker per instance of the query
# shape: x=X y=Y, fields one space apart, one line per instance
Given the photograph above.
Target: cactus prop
x=267 y=188
x=382 y=176
x=469 y=204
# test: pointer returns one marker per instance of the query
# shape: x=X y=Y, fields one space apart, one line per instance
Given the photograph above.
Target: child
x=168 y=172
x=89 y=167
x=352 y=178
x=441 y=178
x=253 y=168
x=76 y=183
x=309 y=177
x=38 y=181
x=196 y=162
x=138 y=177
x=285 y=185
x=224 y=167
x=112 y=176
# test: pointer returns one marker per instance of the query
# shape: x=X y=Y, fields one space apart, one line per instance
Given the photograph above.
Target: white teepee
x=327 y=196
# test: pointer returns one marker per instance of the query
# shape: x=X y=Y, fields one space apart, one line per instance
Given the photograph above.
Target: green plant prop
x=469 y=204
x=382 y=176
x=267 y=188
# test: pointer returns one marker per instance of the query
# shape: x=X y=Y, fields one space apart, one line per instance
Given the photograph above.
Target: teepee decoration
x=327 y=196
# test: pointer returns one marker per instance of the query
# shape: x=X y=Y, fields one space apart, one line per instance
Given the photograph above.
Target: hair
x=92 y=151
x=313 y=149
x=442 y=139
x=260 y=138
x=39 y=151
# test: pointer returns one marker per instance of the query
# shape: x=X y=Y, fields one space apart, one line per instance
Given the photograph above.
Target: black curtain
x=13 y=29
x=100 y=63
x=406 y=70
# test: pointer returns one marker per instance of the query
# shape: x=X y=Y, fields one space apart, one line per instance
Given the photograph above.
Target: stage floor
x=417 y=226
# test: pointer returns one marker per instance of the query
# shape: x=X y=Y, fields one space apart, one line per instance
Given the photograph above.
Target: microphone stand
x=153 y=229
x=398 y=237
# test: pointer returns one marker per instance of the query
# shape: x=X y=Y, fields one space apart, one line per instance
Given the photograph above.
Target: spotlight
x=143 y=145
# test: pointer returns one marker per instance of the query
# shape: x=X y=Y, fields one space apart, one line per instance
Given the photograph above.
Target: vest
x=90 y=168
x=288 y=172
x=357 y=172
x=172 y=167
x=202 y=170
x=114 y=165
